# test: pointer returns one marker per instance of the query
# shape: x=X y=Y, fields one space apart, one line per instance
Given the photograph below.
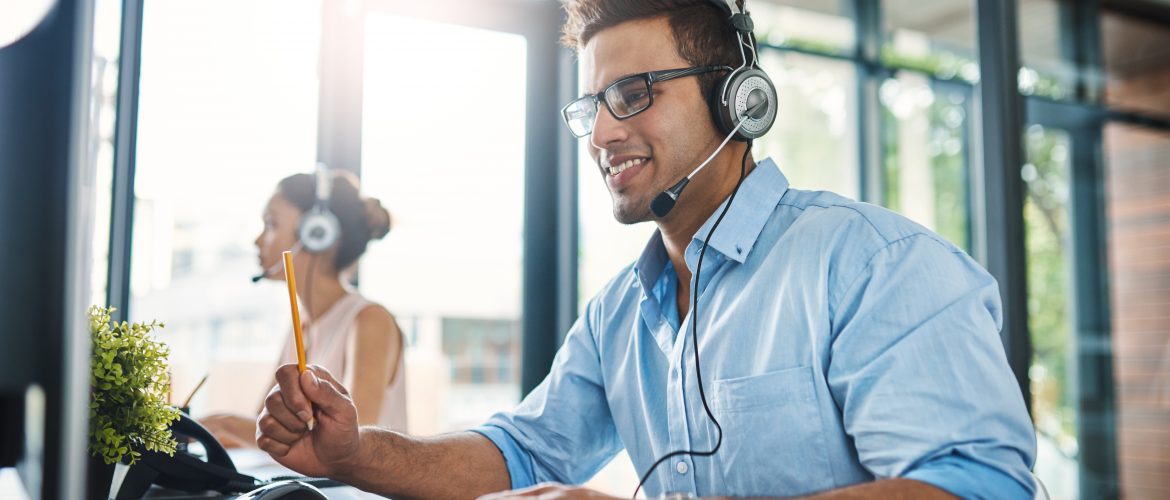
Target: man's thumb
x=322 y=392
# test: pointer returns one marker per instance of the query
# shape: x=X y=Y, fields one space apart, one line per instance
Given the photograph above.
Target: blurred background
x=1035 y=134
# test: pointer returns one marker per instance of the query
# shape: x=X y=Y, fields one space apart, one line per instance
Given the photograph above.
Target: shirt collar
x=651 y=263
x=741 y=227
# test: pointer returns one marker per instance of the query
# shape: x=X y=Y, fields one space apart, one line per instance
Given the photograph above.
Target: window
x=814 y=140
x=450 y=269
x=106 y=55
x=821 y=26
x=925 y=161
x=1048 y=241
x=1048 y=68
x=936 y=38
x=221 y=120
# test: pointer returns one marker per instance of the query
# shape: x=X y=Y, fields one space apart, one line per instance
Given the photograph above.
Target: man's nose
x=608 y=130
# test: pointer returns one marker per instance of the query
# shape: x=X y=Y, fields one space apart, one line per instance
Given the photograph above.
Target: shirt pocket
x=773 y=441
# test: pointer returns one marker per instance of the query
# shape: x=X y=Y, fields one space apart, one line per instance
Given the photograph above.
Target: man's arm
x=919 y=373
x=890 y=489
x=457 y=465
x=461 y=465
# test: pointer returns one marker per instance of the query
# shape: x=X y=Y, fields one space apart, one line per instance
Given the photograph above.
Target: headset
x=744 y=108
x=743 y=104
x=736 y=105
x=319 y=229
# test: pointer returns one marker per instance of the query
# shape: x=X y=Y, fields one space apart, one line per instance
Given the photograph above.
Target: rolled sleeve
x=518 y=460
x=967 y=478
x=920 y=374
x=562 y=431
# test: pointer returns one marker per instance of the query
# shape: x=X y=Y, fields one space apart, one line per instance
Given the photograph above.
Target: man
x=839 y=343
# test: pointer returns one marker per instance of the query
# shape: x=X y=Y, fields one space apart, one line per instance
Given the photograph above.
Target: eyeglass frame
x=650 y=77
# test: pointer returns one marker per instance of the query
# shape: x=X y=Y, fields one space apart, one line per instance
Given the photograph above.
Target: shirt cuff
x=518 y=460
x=966 y=478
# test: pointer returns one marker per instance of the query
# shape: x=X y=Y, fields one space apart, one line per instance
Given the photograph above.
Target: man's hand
x=549 y=491
x=282 y=427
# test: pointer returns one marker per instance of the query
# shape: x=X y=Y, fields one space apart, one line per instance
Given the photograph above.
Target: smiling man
x=842 y=350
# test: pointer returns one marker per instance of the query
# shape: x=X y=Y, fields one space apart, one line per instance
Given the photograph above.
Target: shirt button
x=681 y=467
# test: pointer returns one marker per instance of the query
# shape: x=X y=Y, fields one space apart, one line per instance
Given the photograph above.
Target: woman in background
x=343 y=331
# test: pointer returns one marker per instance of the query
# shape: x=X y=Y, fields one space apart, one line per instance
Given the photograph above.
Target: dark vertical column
x=567 y=189
x=1095 y=390
x=44 y=103
x=541 y=286
x=1001 y=187
x=866 y=15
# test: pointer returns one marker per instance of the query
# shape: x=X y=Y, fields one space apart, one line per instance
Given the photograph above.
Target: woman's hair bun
x=378 y=218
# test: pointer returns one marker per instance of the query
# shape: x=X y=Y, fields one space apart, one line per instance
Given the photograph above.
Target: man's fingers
x=323 y=393
x=279 y=410
x=274 y=448
x=292 y=393
x=323 y=373
x=269 y=426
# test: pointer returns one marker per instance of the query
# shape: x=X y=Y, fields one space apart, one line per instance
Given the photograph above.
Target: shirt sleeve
x=562 y=431
x=919 y=372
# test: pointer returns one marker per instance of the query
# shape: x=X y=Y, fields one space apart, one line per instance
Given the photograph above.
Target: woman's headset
x=319 y=228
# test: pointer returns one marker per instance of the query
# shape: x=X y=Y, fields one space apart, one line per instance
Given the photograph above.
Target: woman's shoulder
x=373 y=317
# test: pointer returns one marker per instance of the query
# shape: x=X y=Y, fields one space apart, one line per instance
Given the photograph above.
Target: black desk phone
x=188 y=472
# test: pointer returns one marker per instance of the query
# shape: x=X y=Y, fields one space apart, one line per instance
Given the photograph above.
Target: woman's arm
x=232 y=431
x=377 y=352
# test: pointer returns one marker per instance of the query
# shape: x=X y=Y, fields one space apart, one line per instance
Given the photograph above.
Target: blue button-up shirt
x=839 y=343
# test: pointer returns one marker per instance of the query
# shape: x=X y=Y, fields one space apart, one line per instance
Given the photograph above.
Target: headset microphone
x=276 y=267
x=665 y=201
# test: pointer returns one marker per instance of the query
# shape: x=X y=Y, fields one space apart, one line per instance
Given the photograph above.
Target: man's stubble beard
x=631 y=213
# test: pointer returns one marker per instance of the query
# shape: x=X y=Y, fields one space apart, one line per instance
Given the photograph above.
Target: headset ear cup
x=720 y=113
x=319 y=230
x=739 y=85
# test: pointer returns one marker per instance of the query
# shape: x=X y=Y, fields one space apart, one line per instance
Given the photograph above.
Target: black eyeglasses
x=624 y=98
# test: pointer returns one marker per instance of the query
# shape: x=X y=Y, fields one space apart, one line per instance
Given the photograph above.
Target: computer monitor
x=45 y=186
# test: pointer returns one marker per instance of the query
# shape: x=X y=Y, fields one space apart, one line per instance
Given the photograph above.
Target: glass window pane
x=106 y=37
x=221 y=119
x=936 y=38
x=1137 y=187
x=1048 y=238
x=1047 y=68
x=1136 y=55
x=814 y=140
x=459 y=309
x=926 y=153
x=823 y=26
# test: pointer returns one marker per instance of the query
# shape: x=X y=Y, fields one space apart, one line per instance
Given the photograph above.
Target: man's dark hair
x=702 y=33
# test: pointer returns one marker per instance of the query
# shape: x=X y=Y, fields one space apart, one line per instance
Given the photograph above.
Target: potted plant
x=128 y=407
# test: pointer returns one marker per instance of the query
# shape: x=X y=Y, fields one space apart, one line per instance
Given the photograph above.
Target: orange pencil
x=290 y=277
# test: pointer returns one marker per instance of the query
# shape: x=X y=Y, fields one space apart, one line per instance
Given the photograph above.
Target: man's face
x=658 y=147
